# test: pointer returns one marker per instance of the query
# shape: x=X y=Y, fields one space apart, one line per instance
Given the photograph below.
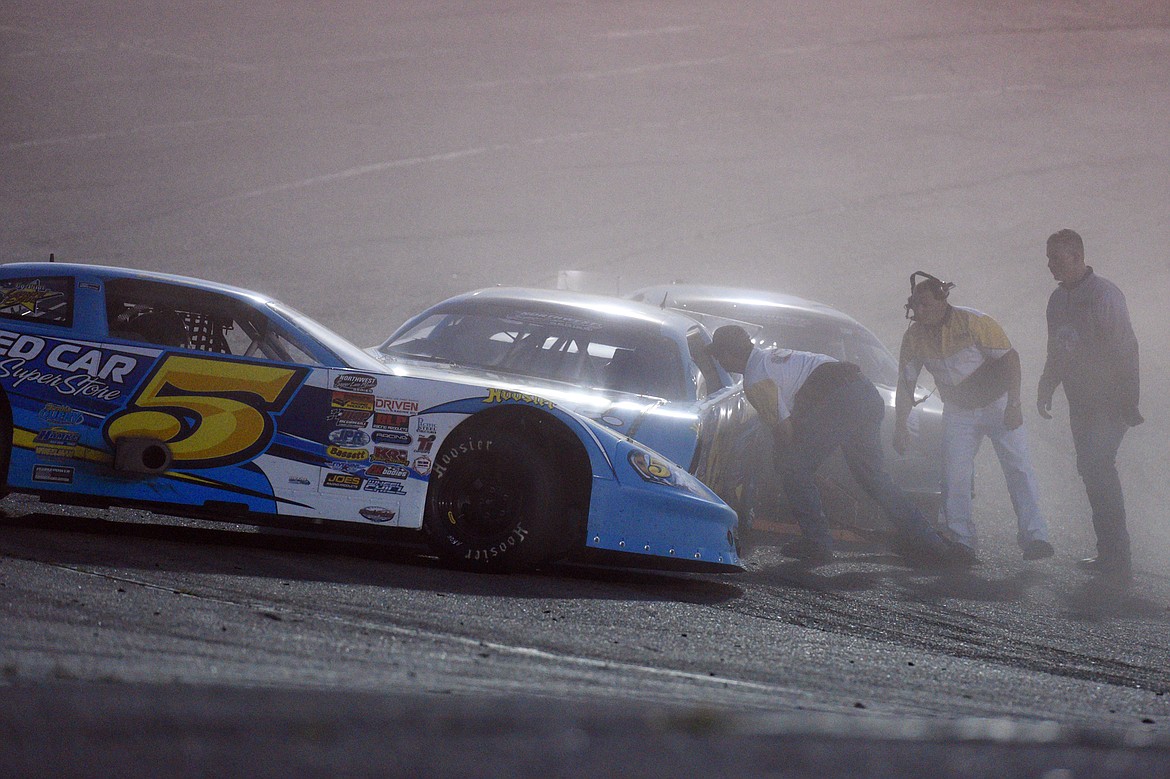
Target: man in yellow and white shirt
x=978 y=377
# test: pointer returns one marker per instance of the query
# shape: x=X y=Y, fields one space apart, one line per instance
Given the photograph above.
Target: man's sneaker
x=1107 y=566
x=803 y=549
x=1037 y=550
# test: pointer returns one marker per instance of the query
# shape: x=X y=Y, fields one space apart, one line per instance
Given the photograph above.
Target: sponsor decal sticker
x=345 y=436
x=71 y=369
x=422 y=465
x=386 y=471
x=425 y=427
x=57 y=414
x=343 y=481
x=355 y=382
x=392 y=437
x=386 y=454
x=378 y=513
x=53 y=474
x=425 y=442
x=396 y=406
x=346 y=454
x=507 y=396
x=392 y=422
x=384 y=487
x=353 y=401
x=347 y=417
x=300 y=480
x=28 y=296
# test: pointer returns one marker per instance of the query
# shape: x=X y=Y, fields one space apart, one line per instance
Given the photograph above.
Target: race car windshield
x=554 y=346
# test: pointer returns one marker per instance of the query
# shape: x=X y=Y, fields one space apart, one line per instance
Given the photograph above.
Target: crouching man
x=815 y=404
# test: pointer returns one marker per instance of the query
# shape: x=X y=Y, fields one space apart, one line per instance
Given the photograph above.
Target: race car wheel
x=495 y=502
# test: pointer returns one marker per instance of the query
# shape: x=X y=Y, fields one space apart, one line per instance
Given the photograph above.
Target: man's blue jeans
x=849 y=417
x=1097 y=432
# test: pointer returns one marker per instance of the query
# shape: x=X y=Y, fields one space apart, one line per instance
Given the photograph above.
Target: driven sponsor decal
x=69 y=368
x=53 y=474
x=507 y=396
x=345 y=481
x=378 y=513
x=395 y=406
x=355 y=382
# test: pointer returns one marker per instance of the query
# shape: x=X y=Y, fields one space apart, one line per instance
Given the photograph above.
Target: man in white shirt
x=815 y=404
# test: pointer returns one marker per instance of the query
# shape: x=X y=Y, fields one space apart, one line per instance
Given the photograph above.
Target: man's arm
x=1049 y=378
x=1013 y=415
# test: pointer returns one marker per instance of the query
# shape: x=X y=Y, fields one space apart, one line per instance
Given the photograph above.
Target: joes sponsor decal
x=344 y=481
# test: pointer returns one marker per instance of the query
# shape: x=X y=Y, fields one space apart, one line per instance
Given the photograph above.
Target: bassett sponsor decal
x=507 y=396
x=344 y=453
x=355 y=382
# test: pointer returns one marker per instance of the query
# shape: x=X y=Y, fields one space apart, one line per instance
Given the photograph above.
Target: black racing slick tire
x=496 y=503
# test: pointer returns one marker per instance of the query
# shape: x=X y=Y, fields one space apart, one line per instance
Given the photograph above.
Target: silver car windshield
x=549 y=345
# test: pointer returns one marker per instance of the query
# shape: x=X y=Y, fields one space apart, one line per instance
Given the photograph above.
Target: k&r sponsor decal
x=386 y=454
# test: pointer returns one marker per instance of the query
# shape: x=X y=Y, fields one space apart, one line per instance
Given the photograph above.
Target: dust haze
x=361 y=160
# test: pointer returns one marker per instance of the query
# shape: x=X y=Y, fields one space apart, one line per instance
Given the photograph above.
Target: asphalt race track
x=362 y=160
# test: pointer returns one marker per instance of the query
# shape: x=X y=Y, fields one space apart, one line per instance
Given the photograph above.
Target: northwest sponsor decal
x=345 y=481
x=392 y=422
x=344 y=436
x=355 y=382
x=71 y=369
x=384 y=487
x=392 y=437
x=386 y=454
x=56 y=414
x=387 y=471
x=53 y=474
x=346 y=454
x=396 y=406
x=347 y=417
x=425 y=442
x=352 y=401
x=507 y=396
x=378 y=513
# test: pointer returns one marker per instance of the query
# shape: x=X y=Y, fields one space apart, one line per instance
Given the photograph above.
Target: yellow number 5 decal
x=209 y=412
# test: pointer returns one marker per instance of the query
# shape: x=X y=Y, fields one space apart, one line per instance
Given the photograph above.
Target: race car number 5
x=209 y=412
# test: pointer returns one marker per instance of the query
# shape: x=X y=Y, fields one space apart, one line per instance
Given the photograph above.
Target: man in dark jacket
x=1093 y=354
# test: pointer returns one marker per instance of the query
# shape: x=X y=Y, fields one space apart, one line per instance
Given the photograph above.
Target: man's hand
x=901 y=438
x=1044 y=405
x=1013 y=416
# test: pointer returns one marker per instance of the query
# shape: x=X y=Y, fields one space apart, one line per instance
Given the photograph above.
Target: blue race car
x=122 y=387
x=640 y=370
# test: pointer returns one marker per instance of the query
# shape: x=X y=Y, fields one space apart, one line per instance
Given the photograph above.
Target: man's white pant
x=963 y=432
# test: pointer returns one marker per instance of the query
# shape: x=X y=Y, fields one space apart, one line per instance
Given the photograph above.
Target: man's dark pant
x=1097 y=432
x=849 y=417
